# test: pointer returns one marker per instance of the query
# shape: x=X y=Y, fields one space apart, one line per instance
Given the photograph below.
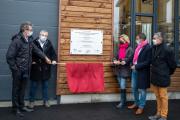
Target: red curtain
x=85 y=77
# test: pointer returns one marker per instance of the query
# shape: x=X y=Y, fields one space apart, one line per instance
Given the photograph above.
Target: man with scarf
x=140 y=73
x=122 y=61
x=40 y=70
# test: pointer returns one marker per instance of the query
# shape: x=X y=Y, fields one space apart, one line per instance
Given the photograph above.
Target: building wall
x=90 y=14
x=85 y=14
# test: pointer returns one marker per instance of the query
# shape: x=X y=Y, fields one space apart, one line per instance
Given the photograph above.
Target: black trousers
x=20 y=79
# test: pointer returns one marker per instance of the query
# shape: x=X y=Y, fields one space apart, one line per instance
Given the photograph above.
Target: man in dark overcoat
x=163 y=66
x=40 y=70
x=19 y=58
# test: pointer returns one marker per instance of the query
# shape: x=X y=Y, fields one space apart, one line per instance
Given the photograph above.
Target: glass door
x=144 y=18
x=132 y=17
x=122 y=20
x=144 y=14
x=148 y=16
x=144 y=25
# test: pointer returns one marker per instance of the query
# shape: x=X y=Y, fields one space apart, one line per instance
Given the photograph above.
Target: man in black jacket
x=163 y=65
x=40 y=70
x=19 y=58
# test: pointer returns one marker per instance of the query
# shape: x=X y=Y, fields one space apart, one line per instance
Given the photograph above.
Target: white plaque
x=86 y=42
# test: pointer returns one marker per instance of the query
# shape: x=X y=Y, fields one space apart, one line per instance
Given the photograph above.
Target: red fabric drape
x=85 y=77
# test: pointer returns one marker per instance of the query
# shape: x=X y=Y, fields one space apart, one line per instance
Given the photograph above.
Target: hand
x=48 y=61
x=54 y=62
x=33 y=63
x=117 y=62
x=123 y=62
x=133 y=67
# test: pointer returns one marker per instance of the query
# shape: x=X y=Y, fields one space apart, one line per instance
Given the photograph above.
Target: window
x=148 y=16
x=144 y=6
x=166 y=20
x=121 y=20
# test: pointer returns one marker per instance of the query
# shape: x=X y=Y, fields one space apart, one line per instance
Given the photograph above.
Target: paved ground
x=95 y=111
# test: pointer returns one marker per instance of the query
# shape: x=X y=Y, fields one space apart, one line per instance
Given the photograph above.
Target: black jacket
x=124 y=70
x=143 y=67
x=19 y=54
x=41 y=70
x=163 y=65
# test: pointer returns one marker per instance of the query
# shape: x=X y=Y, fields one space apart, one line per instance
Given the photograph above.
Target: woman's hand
x=116 y=62
x=123 y=62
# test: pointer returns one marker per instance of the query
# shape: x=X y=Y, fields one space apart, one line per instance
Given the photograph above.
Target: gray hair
x=160 y=35
x=25 y=26
x=43 y=31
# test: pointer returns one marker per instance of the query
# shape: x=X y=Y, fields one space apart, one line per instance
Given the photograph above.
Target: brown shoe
x=139 y=111
x=133 y=106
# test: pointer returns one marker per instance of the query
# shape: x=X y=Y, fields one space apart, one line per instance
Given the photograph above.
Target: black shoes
x=122 y=103
x=18 y=113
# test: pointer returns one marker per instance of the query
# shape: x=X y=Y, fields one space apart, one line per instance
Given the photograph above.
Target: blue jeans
x=139 y=94
x=142 y=98
x=122 y=82
x=33 y=88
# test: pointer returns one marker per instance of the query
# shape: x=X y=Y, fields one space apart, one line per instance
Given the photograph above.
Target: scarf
x=137 y=51
x=122 y=51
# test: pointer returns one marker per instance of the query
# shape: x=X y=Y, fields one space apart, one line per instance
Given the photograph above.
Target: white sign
x=87 y=42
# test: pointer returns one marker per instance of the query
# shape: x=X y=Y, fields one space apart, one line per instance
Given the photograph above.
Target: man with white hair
x=40 y=70
x=163 y=66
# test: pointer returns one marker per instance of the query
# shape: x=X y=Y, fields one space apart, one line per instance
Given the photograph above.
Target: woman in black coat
x=122 y=62
x=40 y=70
x=141 y=72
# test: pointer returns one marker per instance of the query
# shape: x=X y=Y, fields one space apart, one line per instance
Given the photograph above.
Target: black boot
x=122 y=98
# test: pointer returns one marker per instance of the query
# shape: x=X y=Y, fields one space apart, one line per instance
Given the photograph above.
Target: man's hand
x=133 y=67
x=54 y=62
x=48 y=61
